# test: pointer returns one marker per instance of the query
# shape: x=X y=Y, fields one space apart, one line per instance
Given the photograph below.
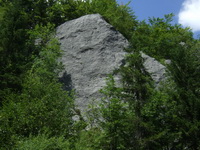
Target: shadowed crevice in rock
x=67 y=81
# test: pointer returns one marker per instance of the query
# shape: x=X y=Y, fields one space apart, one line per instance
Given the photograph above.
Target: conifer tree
x=124 y=125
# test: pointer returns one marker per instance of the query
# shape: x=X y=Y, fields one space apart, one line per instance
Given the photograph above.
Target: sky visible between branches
x=187 y=12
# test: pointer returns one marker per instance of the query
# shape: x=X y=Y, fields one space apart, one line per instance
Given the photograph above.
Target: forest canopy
x=37 y=114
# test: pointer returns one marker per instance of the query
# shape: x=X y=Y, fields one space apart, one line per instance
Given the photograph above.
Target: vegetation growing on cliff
x=35 y=113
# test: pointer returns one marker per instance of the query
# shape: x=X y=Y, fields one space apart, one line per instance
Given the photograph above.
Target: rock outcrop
x=92 y=49
x=156 y=70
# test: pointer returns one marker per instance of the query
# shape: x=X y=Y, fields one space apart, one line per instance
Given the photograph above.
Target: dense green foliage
x=43 y=142
x=163 y=37
x=42 y=106
x=35 y=112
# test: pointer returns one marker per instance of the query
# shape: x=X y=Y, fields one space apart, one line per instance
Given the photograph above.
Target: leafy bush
x=43 y=105
x=43 y=142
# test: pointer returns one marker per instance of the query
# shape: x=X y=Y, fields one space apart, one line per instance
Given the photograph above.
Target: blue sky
x=187 y=12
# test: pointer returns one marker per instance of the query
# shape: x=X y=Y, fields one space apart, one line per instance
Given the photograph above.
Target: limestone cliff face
x=92 y=49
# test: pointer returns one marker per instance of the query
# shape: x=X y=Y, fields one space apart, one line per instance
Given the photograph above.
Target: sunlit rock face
x=92 y=49
x=156 y=70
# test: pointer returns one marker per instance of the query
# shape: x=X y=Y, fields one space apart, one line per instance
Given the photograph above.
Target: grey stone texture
x=156 y=70
x=92 y=49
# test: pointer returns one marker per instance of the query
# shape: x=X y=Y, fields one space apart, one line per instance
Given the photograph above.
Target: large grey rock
x=92 y=49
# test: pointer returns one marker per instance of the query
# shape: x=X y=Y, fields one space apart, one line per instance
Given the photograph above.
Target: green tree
x=16 y=49
x=42 y=105
x=117 y=119
x=185 y=73
x=166 y=117
x=175 y=120
x=120 y=16
x=15 y=54
x=162 y=118
x=134 y=115
x=2 y=10
x=43 y=142
x=160 y=38
x=124 y=125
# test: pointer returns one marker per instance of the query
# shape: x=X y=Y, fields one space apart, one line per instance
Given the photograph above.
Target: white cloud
x=189 y=14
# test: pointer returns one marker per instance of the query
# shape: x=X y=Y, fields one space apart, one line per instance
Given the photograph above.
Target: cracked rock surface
x=92 y=49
